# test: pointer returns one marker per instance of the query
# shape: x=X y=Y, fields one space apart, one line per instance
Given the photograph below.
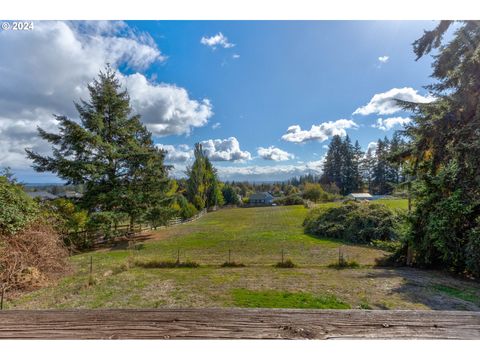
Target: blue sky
x=258 y=80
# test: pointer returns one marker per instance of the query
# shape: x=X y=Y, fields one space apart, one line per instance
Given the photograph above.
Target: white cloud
x=225 y=150
x=166 y=109
x=318 y=132
x=383 y=59
x=45 y=70
x=385 y=104
x=273 y=153
x=389 y=123
x=372 y=147
x=217 y=40
x=236 y=56
x=177 y=154
x=216 y=125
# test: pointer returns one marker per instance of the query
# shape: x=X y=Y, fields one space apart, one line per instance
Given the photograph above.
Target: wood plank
x=238 y=324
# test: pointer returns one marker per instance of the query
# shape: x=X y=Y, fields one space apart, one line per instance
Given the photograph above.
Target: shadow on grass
x=434 y=289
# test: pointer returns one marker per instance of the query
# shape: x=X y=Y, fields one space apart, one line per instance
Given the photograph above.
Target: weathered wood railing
x=238 y=324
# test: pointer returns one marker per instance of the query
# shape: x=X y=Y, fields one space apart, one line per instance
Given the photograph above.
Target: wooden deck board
x=238 y=324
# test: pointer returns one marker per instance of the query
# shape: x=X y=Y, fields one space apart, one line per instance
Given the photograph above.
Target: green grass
x=282 y=299
x=466 y=294
x=255 y=237
x=394 y=204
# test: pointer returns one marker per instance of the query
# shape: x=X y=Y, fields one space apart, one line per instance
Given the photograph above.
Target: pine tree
x=109 y=151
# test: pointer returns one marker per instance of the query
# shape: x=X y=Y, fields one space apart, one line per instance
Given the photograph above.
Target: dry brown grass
x=31 y=258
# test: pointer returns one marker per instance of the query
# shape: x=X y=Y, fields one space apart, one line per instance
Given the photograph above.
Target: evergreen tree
x=357 y=167
x=367 y=166
x=348 y=171
x=109 y=151
x=444 y=154
x=332 y=168
x=203 y=188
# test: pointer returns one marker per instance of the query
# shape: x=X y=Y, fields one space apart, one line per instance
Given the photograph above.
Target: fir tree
x=443 y=154
x=109 y=151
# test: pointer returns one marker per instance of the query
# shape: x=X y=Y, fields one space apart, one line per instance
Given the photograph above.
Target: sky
x=263 y=97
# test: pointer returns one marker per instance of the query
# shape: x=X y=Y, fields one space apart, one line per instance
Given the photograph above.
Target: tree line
x=350 y=169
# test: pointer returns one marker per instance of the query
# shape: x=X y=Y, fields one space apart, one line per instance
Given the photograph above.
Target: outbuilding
x=360 y=196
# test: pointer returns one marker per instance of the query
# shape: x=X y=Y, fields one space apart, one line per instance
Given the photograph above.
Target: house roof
x=44 y=195
x=70 y=194
x=360 y=195
x=261 y=196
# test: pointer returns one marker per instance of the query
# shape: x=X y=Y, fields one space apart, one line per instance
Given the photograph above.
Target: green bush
x=17 y=209
x=294 y=199
x=472 y=251
x=355 y=222
x=390 y=246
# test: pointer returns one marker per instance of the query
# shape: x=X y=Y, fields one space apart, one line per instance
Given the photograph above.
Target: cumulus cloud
x=389 y=123
x=216 y=125
x=216 y=40
x=318 y=132
x=385 y=104
x=274 y=153
x=177 y=154
x=225 y=150
x=166 y=109
x=45 y=70
x=383 y=59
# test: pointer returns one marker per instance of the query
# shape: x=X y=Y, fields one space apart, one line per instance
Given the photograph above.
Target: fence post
x=178 y=256
x=1 y=299
x=91 y=265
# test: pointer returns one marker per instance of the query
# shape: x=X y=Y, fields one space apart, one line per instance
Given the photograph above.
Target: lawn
x=255 y=237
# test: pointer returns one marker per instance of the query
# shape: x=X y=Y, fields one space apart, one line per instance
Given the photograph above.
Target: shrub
x=344 y=264
x=294 y=199
x=285 y=264
x=157 y=264
x=186 y=209
x=31 y=251
x=17 y=209
x=354 y=222
x=32 y=257
x=314 y=192
x=390 y=246
x=472 y=252
x=232 y=264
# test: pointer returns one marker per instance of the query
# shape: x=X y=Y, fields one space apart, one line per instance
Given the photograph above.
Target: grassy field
x=255 y=237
